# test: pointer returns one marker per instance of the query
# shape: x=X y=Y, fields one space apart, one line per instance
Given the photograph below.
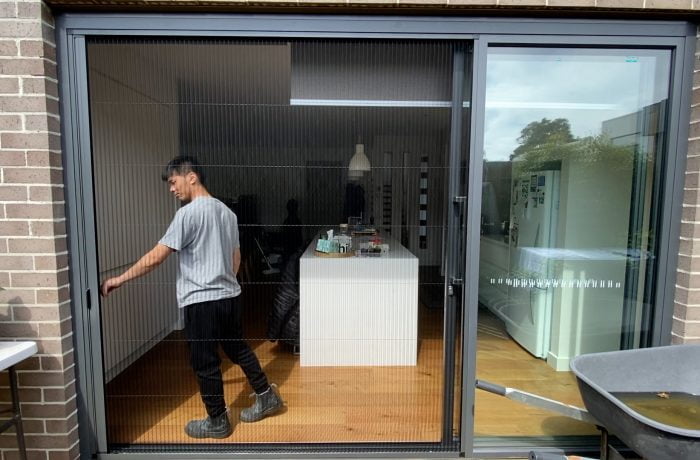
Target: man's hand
x=109 y=285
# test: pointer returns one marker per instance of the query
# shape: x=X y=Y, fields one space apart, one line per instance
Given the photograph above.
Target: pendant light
x=359 y=162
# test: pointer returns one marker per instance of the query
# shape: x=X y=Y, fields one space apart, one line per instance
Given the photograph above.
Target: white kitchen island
x=359 y=311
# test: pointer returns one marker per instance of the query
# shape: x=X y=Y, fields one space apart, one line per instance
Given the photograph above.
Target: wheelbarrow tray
x=654 y=370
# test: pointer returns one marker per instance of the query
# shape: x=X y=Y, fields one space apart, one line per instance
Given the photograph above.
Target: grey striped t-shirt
x=204 y=233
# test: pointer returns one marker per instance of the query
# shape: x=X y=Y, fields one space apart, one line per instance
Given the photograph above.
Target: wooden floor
x=154 y=398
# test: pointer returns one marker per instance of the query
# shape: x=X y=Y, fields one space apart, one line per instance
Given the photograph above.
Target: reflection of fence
x=544 y=283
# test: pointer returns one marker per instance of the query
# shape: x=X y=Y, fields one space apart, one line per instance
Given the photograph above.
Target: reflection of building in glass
x=600 y=205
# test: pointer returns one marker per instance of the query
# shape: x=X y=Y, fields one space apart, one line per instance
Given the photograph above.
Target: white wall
x=134 y=134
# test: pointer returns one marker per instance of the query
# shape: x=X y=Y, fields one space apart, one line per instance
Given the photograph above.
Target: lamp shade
x=359 y=161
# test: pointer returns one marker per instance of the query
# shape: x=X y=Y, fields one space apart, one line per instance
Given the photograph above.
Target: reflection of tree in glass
x=543 y=132
x=544 y=144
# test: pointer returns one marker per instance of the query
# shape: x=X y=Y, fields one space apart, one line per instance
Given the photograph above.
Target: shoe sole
x=211 y=435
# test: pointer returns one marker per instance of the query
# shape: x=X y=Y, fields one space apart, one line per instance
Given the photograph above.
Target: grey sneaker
x=265 y=404
x=210 y=427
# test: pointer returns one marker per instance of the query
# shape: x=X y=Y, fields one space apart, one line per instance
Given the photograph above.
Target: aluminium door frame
x=668 y=224
x=73 y=28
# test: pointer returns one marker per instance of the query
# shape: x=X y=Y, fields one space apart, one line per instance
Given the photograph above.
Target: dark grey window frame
x=72 y=28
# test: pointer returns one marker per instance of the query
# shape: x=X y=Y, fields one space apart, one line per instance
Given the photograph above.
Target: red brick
x=10 y=122
x=49 y=346
x=37 y=246
x=13 y=193
x=30 y=364
x=71 y=454
x=45 y=379
x=9 y=85
x=54 y=394
x=33 y=426
x=8 y=10
x=50 y=330
x=44 y=157
x=57 y=363
x=688 y=264
x=25 y=104
x=8 y=48
x=21 y=29
x=695 y=114
x=32 y=454
x=30 y=141
x=29 y=10
x=48 y=442
x=10 y=158
x=51 y=296
x=17 y=297
x=42 y=123
x=32 y=176
x=694 y=131
x=14 y=228
x=62 y=426
x=19 y=330
x=669 y=4
x=39 y=86
x=23 y=313
x=46 y=14
x=685 y=312
x=32 y=211
x=24 y=66
x=50 y=69
x=52 y=228
x=37 y=48
x=694 y=147
x=11 y=262
x=691 y=329
x=51 y=262
x=46 y=193
x=20 y=279
x=620 y=3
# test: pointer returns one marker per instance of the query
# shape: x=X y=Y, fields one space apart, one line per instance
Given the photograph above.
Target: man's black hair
x=182 y=165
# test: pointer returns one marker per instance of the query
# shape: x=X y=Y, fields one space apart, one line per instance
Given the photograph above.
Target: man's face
x=181 y=186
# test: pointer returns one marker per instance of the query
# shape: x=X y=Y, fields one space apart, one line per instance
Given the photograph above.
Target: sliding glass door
x=574 y=147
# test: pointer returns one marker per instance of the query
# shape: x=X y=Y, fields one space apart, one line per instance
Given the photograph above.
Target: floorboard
x=153 y=399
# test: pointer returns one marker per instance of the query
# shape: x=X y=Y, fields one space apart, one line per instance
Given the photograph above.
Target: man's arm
x=146 y=264
x=236 y=260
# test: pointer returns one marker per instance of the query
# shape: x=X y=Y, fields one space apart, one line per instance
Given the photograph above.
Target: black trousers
x=208 y=325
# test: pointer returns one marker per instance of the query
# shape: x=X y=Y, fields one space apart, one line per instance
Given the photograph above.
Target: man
x=204 y=233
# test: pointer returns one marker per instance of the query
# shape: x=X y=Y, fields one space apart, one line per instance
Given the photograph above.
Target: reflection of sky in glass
x=586 y=87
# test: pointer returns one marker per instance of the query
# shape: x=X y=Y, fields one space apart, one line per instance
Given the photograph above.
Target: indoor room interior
x=276 y=125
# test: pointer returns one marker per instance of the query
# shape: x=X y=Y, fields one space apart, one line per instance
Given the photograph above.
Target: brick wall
x=686 y=314
x=34 y=299
x=584 y=6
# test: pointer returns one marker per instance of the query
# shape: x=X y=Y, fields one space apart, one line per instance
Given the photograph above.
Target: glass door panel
x=573 y=143
x=298 y=138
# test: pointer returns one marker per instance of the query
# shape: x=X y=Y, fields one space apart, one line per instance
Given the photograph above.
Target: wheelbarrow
x=631 y=394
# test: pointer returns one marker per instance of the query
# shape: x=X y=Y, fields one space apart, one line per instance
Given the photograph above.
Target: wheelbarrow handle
x=491 y=387
x=530 y=399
